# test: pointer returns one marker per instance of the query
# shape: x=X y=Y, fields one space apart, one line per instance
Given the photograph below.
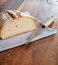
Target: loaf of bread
x=11 y=26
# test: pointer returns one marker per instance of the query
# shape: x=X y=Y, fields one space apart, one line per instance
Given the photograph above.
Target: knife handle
x=50 y=22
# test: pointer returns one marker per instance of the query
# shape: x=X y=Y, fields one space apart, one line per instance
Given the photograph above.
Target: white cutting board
x=21 y=39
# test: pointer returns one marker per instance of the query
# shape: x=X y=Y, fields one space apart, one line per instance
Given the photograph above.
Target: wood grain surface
x=40 y=52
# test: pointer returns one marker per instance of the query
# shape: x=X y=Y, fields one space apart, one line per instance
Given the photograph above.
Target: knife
x=39 y=29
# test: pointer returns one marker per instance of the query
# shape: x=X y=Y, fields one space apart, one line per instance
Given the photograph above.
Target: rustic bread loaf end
x=10 y=27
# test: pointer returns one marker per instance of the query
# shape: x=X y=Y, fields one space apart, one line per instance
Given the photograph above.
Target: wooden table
x=40 y=52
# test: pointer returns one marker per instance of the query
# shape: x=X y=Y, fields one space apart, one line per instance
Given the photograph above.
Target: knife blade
x=39 y=29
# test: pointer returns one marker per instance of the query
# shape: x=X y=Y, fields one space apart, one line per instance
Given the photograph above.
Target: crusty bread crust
x=4 y=17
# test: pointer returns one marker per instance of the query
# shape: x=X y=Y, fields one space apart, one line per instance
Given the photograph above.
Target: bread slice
x=12 y=26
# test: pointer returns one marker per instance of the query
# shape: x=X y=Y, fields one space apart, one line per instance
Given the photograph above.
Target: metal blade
x=33 y=34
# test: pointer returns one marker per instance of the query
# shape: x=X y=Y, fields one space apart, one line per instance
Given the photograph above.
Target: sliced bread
x=12 y=26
